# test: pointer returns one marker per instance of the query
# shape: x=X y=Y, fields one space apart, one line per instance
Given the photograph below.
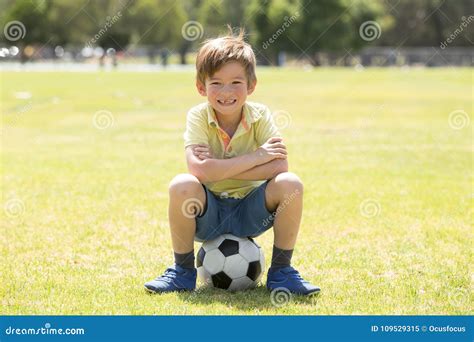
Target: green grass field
x=387 y=223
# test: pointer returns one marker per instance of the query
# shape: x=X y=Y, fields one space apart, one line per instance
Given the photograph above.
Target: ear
x=251 y=87
x=201 y=88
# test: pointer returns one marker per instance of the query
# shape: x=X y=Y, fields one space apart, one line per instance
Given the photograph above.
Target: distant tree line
x=299 y=27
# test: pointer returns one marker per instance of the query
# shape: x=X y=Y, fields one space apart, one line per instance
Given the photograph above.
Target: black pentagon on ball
x=254 y=270
x=200 y=257
x=221 y=280
x=229 y=247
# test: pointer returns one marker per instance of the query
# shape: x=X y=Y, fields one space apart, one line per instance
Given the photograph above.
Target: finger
x=203 y=157
x=278 y=145
x=279 y=156
x=274 y=139
x=201 y=149
x=279 y=150
x=207 y=154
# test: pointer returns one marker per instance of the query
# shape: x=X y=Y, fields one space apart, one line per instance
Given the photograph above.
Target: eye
x=236 y=82
x=215 y=83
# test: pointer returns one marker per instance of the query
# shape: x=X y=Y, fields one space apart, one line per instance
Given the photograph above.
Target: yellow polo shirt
x=255 y=128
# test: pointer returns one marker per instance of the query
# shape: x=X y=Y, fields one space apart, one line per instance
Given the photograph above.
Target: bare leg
x=187 y=199
x=284 y=194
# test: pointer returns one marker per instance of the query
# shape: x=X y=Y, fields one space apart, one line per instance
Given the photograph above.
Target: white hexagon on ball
x=235 y=266
x=204 y=276
x=214 y=261
x=241 y=283
x=213 y=244
x=249 y=251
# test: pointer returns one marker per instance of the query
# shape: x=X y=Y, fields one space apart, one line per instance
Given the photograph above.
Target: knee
x=288 y=182
x=184 y=185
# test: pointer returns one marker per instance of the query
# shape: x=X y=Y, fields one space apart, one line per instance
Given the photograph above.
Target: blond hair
x=218 y=51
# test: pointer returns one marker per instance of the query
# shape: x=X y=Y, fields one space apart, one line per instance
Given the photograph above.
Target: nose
x=227 y=88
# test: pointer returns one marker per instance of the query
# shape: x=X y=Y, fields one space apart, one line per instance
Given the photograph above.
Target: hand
x=202 y=151
x=272 y=149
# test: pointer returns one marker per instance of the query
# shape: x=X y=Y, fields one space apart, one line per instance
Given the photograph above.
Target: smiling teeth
x=227 y=102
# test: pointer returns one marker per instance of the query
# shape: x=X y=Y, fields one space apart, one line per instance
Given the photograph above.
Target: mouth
x=229 y=102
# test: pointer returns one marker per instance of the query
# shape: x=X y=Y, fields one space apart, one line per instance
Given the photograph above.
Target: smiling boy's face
x=227 y=89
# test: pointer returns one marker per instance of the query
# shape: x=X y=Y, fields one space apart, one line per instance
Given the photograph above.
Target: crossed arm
x=265 y=162
x=264 y=171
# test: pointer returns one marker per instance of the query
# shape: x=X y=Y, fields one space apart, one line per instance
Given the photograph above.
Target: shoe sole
x=311 y=294
x=157 y=292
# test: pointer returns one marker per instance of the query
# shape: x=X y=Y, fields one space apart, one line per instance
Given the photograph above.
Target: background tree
x=427 y=22
x=157 y=24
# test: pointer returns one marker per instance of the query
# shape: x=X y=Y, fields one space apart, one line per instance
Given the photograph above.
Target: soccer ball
x=231 y=263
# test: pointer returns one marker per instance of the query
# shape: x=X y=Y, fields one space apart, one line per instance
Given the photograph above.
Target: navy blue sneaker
x=289 y=278
x=175 y=278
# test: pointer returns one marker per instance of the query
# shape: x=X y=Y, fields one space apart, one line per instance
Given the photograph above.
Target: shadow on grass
x=249 y=300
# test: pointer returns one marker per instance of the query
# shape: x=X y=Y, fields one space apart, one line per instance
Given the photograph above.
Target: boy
x=238 y=179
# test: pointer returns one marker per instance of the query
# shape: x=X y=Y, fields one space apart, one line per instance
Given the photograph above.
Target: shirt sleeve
x=266 y=128
x=196 y=128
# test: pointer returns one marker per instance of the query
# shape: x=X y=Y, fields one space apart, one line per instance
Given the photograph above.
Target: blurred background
x=154 y=34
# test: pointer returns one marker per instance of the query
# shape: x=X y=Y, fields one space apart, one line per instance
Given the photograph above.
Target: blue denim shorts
x=245 y=217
